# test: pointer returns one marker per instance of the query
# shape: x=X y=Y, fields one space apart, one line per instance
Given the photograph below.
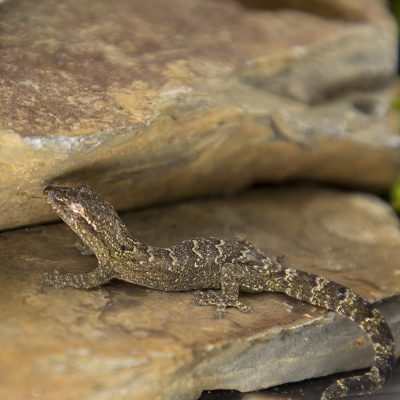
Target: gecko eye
x=125 y=248
x=342 y=292
x=281 y=272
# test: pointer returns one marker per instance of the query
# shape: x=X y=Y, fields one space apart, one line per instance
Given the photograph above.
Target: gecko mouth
x=51 y=195
x=48 y=190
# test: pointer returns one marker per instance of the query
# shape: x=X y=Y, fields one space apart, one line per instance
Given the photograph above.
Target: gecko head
x=90 y=217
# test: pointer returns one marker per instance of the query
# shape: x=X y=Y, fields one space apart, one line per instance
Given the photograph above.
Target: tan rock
x=158 y=101
x=121 y=341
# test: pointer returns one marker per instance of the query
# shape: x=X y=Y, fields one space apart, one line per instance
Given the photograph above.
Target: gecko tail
x=330 y=295
x=375 y=326
x=351 y=387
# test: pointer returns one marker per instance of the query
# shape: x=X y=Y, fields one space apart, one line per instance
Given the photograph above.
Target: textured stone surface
x=122 y=341
x=311 y=389
x=158 y=101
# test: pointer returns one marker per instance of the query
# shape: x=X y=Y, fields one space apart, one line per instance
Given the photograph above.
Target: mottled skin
x=226 y=267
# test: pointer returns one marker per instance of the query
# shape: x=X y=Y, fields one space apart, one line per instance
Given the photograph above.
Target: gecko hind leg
x=217 y=298
x=228 y=296
x=88 y=280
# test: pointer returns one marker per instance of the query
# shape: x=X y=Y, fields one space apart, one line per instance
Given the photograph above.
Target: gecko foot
x=211 y=297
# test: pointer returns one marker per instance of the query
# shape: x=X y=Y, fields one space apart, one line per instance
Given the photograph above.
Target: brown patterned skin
x=225 y=267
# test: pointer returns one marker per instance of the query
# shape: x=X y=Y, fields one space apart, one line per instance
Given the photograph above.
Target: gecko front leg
x=228 y=296
x=99 y=276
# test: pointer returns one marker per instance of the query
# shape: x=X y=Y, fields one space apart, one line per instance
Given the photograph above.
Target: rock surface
x=122 y=342
x=310 y=389
x=157 y=101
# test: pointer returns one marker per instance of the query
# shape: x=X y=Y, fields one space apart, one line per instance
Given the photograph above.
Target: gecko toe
x=199 y=298
x=48 y=278
x=243 y=308
x=220 y=311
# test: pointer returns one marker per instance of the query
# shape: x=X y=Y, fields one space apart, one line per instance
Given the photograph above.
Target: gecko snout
x=48 y=190
x=54 y=195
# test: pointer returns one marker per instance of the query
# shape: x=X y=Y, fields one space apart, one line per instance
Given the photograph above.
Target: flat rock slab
x=167 y=100
x=122 y=341
x=310 y=389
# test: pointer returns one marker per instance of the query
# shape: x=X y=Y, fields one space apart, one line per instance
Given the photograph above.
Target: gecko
x=217 y=270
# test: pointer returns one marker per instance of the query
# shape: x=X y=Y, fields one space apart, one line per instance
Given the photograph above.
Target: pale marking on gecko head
x=77 y=208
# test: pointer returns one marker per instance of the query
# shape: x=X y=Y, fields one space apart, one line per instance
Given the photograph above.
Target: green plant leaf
x=394 y=197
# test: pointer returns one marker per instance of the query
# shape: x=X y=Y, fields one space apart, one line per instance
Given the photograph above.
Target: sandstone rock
x=158 y=101
x=122 y=341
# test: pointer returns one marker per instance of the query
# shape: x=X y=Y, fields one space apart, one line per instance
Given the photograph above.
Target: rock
x=313 y=388
x=122 y=341
x=161 y=101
